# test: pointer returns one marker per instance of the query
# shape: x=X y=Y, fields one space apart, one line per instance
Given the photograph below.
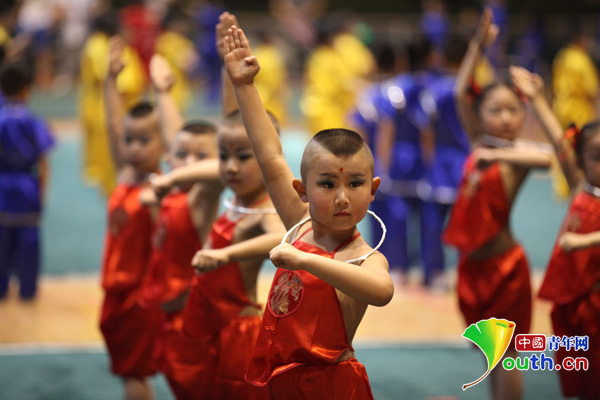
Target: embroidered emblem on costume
x=286 y=294
x=118 y=220
x=472 y=183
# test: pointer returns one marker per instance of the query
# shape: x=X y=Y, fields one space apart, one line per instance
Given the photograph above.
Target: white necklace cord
x=356 y=261
x=591 y=189
x=245 y=210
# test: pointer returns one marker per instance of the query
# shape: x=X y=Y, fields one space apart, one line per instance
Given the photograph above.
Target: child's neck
x=250 y=199
x=330 y=238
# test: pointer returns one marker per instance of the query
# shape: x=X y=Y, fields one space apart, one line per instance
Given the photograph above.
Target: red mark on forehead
x=231 y=145
x=341 y=169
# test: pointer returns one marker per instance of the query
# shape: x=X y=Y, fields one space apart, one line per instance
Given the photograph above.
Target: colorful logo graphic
x=530 y=342
x=492 y=336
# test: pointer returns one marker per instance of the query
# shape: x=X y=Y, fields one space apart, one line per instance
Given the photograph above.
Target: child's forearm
x=554 y=132
x=367 y=285
x=201 y=171
x=228 y=103
x=115 y=114
x=522 y=158
x=170 y=118
x=258 y=246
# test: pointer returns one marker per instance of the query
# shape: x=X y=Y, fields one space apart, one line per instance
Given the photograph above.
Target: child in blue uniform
x=24 y=141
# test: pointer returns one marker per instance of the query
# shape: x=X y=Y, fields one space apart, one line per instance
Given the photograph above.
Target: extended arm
x=570 y=241
x=242 y=67
x=486 y=33
x=169 y=116
x=515 y=157
x=201 y=171
x=369 y=282
x=532 y=86
x=228 y=102
x=115 y=108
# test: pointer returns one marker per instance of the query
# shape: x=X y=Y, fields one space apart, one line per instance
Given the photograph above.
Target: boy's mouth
x=342 y=214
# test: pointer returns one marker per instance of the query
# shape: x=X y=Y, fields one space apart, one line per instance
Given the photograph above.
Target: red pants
x=235 y=344
x=346 y=380
x=129 y=332
x=580 y=318
x=496 y=287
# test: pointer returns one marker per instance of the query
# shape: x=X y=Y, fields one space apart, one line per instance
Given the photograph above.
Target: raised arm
x=113 y=102
x=228 y=102
x=532 y=86
x=242 y=67
x=571 y=241
x=486 y=34
x=517 y=157
x=169 y=115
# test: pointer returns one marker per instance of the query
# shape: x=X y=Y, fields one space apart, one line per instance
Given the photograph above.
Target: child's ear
x=300 y=189
x=374 y=186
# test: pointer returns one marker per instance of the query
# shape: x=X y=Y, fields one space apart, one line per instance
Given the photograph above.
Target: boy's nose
x=341 y=200
x=231 y=165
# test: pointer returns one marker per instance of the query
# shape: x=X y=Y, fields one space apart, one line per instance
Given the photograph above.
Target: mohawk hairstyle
x=338 y=141
x=235 y=118
x=141 y=109
x=199 y=127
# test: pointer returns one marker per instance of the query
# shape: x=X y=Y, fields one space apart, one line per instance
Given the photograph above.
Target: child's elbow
x=384 y=296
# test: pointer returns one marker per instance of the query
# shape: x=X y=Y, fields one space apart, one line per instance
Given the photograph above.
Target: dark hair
x=588 y=130
x=455 y=48
x=419 y=49
x=14 y=78
x=141 y=109
x=385 y=56
x=338 y=141
x=235 y=118
x=199 y=127
x=479 y=95
x=107 y=22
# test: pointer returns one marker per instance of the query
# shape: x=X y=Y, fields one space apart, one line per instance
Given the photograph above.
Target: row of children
x=493 y=274
x=204 y=331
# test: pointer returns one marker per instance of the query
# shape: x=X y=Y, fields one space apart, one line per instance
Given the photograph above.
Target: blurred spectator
x=98 y=168
x=175 y=46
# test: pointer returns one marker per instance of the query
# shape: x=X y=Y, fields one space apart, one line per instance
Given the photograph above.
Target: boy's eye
x=181 y=154
x=244 y=156
x=144 y=140
x=128 y=139
x=201 y=156
x=326 y=184
x=222 y=156
x=356 y=183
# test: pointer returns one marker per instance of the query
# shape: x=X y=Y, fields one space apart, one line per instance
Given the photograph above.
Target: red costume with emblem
x=174 y=243
x=303 y=334
x=572 y=284
x=212 y=319
x=128 y=329
x=497 y=286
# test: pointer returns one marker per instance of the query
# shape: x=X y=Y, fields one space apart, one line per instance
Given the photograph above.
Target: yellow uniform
x=575 y=84
x=332 y=79
x=270 y=81
x=98 y=166
x=180 y=54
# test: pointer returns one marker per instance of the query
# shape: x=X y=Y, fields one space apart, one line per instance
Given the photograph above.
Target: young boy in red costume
x=572 y=281
x=493 y=272
x=317 y=300
x=136 y=147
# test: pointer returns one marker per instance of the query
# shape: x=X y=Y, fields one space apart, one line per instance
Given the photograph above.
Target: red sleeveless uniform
x=211 y=319
x=128 y=329
x=498 y=286
x=174 y=243
x=303 y=334
x=571 y=283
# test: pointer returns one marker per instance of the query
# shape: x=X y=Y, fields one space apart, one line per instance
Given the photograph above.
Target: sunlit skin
x=142 y=146
x=501 y=113
x=238 y=168
x=338 y=197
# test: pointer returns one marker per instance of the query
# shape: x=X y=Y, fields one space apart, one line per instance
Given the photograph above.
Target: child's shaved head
x=340 y=142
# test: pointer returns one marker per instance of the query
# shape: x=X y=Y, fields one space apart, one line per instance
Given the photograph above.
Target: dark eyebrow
x=357 y=175
x=328 y=174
